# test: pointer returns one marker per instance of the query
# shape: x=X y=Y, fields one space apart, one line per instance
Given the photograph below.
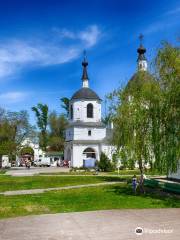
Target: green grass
x=84 y=199
x=9 y=183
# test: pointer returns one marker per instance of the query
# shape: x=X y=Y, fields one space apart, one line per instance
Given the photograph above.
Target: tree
x=147 y=112
x=104 y=164
x=14 y=128
x=65 y=104
x=57 y=125
x=167 y=66
x=132 y=119
x=27 y=150
x=41 y=112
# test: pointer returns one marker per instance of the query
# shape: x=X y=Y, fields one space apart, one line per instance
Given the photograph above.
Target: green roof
x=54 y=154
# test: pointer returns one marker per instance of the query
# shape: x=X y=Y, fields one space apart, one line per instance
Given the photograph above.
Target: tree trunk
x=140 y=166
x=0 y=161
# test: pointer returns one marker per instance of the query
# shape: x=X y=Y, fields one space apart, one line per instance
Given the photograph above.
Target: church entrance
x=89 y=153
x=89 y=158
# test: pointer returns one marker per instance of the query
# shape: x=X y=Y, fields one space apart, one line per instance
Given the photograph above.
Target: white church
x=86 y=136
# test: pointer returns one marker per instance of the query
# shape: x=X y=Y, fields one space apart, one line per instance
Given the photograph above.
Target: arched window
x=89 y=132
x=90 y=110
x=71 y=111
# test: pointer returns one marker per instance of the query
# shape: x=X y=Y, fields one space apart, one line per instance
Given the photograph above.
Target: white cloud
x=18 y=54
x=90 y=36
x=13 y=97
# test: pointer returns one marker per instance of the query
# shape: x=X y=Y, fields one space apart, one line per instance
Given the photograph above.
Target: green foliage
x=14 y=128
x=27 y=150
x=41 y=112
x=167 y=65
x=52 y=127
x=65 y=104
x=146 y=115
x=57 y=125
x=104 y=164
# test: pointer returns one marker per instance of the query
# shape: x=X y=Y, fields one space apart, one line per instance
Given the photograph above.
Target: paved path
x=22 y=171
x=36 y=191
x=97 y=225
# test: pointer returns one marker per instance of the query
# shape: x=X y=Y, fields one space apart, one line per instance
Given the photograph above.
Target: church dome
x=142 y=76
x=85 y=93
x=138 y=79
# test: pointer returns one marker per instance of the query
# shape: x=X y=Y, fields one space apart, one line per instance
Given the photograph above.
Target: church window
x=89 y=132
x=90 y=110
x=71 y=112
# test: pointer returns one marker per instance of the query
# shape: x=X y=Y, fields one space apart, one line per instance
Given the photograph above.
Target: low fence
x=165 y=186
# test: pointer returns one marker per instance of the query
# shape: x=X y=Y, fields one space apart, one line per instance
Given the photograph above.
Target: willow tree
x=147 y=114
x=167 y=65
x=133 y=118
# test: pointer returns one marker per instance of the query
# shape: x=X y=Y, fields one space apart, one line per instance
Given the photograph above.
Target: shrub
x=104 y=164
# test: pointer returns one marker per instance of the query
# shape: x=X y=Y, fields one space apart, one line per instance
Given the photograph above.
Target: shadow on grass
x=168 y=199
x=114 y=179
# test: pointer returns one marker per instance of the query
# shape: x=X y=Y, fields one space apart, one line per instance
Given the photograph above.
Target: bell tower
x=85 y=79
x=141 y=61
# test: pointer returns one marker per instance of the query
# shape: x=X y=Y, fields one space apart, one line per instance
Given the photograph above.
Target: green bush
x=105 y=164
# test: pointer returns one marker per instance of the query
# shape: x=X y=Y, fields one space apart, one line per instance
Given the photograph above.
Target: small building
x=55 y=158
x=86 y=135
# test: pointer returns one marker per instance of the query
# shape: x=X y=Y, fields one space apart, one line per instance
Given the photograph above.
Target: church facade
x=86 y=136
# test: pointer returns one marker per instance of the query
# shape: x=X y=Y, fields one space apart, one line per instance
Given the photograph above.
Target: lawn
x=9 y=183
x=84 y=199
x=84 y=172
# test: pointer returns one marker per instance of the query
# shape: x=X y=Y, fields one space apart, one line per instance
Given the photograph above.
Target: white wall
x=96 y=133
x=78 y=149
x=78 y=153
x=80 y=111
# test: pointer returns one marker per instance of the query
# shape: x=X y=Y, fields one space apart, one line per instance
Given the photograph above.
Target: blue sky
x=41 y=45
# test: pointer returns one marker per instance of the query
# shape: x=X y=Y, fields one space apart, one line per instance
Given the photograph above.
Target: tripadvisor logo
x=139 y=231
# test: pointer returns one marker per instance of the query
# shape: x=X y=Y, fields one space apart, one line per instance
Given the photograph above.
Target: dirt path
x=36 y=191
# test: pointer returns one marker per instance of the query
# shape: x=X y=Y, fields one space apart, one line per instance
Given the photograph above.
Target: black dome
x=85 y=93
